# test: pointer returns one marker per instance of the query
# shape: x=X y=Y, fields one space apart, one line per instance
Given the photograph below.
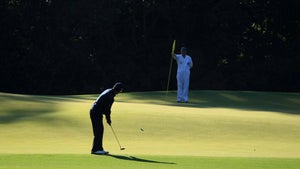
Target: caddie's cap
x=183 y=49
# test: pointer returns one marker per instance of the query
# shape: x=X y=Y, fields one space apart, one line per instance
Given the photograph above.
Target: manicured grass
x=216 y=129
x=150 y=162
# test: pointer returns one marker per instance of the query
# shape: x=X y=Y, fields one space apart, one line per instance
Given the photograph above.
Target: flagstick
x=171 y=63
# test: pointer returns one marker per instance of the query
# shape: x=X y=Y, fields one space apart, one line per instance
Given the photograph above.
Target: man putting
x=102 y=106
x=184 y=63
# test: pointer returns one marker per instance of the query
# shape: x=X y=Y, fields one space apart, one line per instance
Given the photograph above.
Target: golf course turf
x=216 y=129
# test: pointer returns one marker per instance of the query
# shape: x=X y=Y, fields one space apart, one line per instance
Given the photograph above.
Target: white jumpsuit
x=183 y=76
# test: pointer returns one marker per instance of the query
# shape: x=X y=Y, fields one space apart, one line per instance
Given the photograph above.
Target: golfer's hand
x=109 y=122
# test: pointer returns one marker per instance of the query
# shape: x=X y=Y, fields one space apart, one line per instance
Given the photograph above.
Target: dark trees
x=50 y=46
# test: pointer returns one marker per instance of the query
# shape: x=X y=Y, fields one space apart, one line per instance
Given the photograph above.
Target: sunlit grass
x=71 y=161
x=214 y=123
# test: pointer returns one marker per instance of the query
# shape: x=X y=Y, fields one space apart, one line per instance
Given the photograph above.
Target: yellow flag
x=173 y=47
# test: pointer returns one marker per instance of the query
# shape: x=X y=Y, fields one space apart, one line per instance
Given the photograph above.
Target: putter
x=121 y=148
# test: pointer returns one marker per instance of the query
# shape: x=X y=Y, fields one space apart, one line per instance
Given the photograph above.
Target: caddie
x=184 y=64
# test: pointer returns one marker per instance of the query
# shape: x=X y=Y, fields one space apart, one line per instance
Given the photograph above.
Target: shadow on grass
x=132 y=158
x=25 y=115
x=244 y=100
x=16 y=108
x=44 y=98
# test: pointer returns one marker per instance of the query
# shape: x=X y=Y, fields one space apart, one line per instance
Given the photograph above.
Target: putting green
x=80 y=161
x=214 y=123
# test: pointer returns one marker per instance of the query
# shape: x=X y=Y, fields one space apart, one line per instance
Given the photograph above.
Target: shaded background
x=76 y=46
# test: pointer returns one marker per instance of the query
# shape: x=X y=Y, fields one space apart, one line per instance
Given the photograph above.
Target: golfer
x=102 y=106
x=184 y=64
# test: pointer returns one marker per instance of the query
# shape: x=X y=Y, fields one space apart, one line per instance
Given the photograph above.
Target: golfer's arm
x=107 y=116
x=108 y=112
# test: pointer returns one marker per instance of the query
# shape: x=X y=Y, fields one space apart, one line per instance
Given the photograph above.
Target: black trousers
x=98 y=129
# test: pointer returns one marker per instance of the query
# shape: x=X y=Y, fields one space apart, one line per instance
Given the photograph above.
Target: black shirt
x=103 y=103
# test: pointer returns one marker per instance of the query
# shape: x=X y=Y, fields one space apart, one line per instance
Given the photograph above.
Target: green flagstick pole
x=171 y=63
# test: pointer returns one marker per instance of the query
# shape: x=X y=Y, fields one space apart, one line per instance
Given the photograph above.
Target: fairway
x=216 y=129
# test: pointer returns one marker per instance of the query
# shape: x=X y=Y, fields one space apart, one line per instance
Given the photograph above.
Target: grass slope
x=237 y=126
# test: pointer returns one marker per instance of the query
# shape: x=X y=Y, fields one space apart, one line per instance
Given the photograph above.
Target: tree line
x=76 y=46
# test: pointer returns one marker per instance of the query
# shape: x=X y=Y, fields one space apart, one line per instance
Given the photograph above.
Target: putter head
x=122 y=148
